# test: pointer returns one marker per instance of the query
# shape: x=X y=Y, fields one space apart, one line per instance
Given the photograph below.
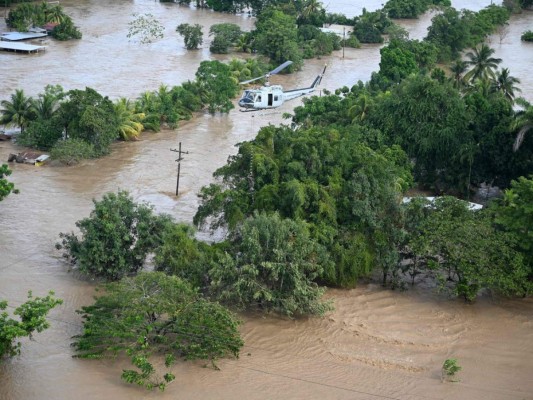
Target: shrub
x=42 y=134
x=72 y=151
x=450 y=367
x=527 y=36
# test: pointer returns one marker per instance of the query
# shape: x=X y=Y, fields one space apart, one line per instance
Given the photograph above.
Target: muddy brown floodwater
x=377 y=344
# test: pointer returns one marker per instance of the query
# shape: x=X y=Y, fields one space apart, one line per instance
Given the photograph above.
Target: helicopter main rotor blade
x=273 y=72
x=252 y=80
x=280 y=68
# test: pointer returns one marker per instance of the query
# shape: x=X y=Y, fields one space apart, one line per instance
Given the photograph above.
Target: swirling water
x=376 y=344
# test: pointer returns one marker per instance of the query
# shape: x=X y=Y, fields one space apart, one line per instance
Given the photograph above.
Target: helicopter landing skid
x=248 y=109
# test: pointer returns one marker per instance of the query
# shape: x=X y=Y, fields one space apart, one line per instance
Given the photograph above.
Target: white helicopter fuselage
x=272 y=96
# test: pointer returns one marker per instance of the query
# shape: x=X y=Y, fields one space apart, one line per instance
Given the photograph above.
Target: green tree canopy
x=276 y=36
x=224 y=35
x=6 y=187
x=146 y=27
x=330 y=179
x=180 y=254
x=429 y=120
x=514 y=214
x=89 y=116
x=192 y=35
x=115 y=238
x=273 y=267
x=217 y=85
x=18 y=111
x=31 y=318
x=156 y=314
x=466 y=252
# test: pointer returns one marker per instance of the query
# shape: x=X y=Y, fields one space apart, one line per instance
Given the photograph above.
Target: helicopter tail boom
x=292 y=94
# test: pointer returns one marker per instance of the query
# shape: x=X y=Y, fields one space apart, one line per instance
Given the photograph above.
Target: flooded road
x=376 y=344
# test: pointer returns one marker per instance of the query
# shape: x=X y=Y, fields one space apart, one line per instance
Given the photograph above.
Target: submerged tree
x=6 y=187
x=32 y=318
x=466 y=253
x=273 y=267
x=192 y=35
x=115 y=239
x=156 y=314
x=146 y=27
x=217 y=86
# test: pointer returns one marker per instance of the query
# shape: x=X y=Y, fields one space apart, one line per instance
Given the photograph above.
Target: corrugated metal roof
x=20 y=47
x=15 y=36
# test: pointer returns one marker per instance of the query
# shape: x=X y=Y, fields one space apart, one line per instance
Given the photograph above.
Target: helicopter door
x=270 y=99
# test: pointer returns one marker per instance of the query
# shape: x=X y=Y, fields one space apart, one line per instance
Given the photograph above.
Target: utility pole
x=179 y=164
x=343 y=40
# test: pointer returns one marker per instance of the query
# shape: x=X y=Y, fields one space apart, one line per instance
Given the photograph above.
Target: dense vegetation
x=527 y=36
x=154 y=313
x=26 y=16
x=115 y=239
x=82 y=124
x=317 y=203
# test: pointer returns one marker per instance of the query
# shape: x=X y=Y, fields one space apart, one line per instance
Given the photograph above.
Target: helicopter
x=273 y=96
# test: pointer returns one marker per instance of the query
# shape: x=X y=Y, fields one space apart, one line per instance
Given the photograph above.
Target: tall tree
x=192 y=35
x=6 y=187
x=129 y=122
x=458 y=68
x=115 y=238
x=89 y=116
x=359 y=111
x=17 y=111
x=506 y=84
x=429 y=120
x=514 y=213
x=523 y=122
x=47 y=103
x=32 y=317
x=482 y=63
x=156 y=314
x=465 y=251
x=218 y=86
x=277 y=37
x=276 y=263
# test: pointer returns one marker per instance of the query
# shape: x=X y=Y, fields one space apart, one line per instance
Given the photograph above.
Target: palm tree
x=359 y=111
x=311 y=7
x=46 y=105
x=482 y=86
x=56 y=15
x=458 y=69
x=18 y=111
x=147 y=104
x=244 y=43
x=482 y=62
x=505 y=84
x=129 y=122
x=523 y=122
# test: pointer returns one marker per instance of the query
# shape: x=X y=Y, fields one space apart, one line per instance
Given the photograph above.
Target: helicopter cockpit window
x=248 y=96
x=258 y=97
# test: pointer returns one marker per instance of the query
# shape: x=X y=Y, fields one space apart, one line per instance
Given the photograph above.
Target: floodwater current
x=377 y=344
